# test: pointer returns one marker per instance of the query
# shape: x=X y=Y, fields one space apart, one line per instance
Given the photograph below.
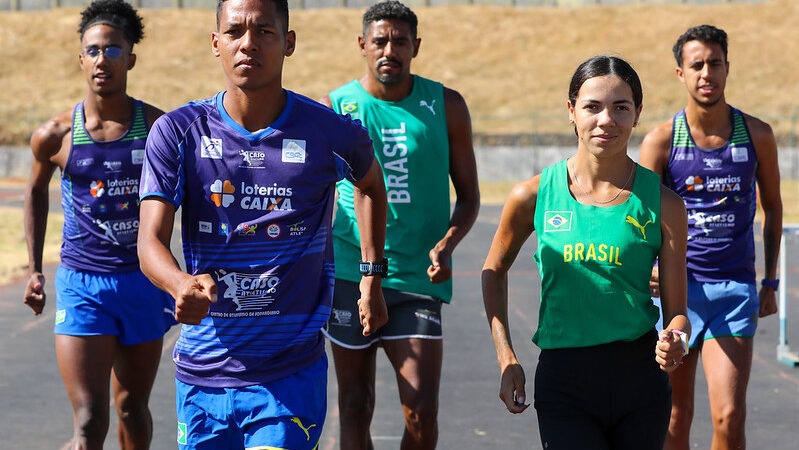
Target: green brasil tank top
x=595 y=263
x=412 y=145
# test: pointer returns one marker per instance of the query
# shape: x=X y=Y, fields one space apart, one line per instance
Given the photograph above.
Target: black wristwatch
x=369 y=268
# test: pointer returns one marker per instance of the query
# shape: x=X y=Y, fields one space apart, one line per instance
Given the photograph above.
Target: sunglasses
x=112 y=52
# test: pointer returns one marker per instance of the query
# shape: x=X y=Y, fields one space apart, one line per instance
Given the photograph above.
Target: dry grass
x=12 y=243
x=511 y=64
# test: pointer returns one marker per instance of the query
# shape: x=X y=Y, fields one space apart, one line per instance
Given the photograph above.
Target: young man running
x=254 y=170
x=109 y=319
x=422 y=136
x=712 y=155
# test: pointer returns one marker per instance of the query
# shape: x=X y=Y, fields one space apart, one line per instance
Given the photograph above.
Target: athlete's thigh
x=417 y=363
x=355 y=368
x=85 y=363
x=727 y=362
x=569 y=429
x=288 y=413
x=204 y=418
x=143 y=311
x=135 y=368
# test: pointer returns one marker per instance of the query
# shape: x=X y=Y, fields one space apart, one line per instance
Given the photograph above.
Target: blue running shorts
x=727 y=308
x=285 y=414
x=124 y=304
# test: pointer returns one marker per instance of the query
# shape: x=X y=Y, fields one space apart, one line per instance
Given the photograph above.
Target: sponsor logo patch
x=642 y=228
x=293 y=151
x=739 y=154
x=205 y=227
x=222 y=193
x=342 y=317
x=224 y=229
x=97 y=188
x=430 y=106
x=246 y=229
x=253 y=159
x=712 y=163
x=273 y=230
x=210 y=147
x=137 y=156
x=112 y=166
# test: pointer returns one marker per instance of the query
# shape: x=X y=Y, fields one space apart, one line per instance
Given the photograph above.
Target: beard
x=389 y=79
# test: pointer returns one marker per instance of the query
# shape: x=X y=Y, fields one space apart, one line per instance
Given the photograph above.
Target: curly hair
x=114 y=13
x=702 y=33
x=390 y=9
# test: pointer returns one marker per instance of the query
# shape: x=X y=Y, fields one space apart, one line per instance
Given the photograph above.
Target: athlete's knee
x=133 y=411
x=421 y=413
x=358 y=402
x=91 y=421
x=730 y=420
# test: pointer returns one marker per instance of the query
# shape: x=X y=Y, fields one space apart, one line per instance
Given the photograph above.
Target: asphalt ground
x=36 y=413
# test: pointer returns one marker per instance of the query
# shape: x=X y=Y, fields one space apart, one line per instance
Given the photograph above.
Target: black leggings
x=610 y=396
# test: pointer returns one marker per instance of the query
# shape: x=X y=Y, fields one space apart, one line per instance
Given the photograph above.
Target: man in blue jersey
x=109 y=318
x=422 y=137
x=713 y=155
x=254 y=170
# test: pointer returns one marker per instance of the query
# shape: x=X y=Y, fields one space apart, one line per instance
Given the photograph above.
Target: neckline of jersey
x=608 y=207
x=391 y=102
x=112 y=141
x=720 y=148
x=261 y=134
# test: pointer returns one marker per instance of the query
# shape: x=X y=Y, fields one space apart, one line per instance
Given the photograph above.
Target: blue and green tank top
x=718 y=188
x=100 y=197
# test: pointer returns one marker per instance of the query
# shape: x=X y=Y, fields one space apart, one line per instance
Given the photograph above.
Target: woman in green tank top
x=600 y=221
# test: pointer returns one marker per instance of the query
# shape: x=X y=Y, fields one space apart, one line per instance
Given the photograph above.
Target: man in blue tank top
x=108 y=316
x=422 y=137
x=713 y=156
x=254 y=170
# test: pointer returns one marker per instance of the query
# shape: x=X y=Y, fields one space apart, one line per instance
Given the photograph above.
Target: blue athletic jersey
x=100 y=197
x=257 y=211
x=718 y=188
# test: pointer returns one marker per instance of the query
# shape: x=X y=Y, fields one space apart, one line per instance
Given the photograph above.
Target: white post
x=784 y=354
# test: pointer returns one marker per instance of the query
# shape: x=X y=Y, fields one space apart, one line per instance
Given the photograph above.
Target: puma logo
x=635 y=223
x=428 y=106
x=299 y=424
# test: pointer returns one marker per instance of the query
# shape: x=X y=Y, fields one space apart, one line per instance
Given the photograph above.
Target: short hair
x=114 y=13
x=390 y=9
x=602 y=65
x=702 y=33
x=281 y=6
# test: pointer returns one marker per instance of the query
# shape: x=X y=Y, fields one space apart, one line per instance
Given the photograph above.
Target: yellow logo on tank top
x=641 y=228
x=578 y=252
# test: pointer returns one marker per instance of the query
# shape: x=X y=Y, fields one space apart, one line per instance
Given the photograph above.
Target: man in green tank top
x=422 y=137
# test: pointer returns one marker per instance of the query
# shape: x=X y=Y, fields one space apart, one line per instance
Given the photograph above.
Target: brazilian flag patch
x=557 y=221
x=350 y=107
x=182 y=434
